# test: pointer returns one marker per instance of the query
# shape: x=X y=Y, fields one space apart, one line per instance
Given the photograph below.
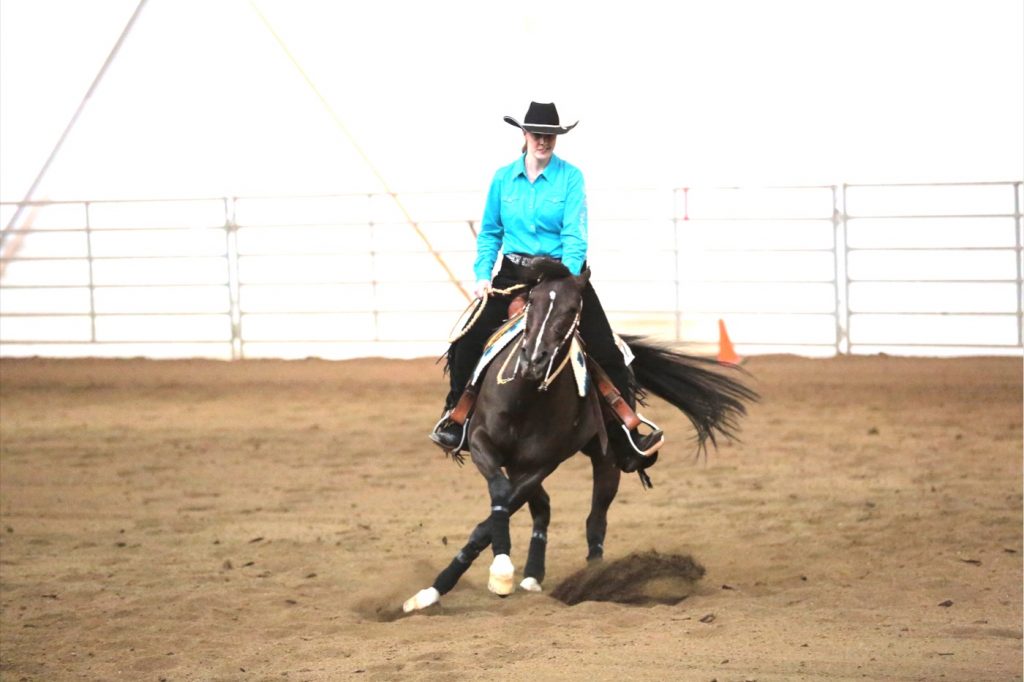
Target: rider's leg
x=462 y=359
x=465 y=352
x=597 y=334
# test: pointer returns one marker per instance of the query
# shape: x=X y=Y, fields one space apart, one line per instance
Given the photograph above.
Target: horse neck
x=522 y=399
x=502 y=367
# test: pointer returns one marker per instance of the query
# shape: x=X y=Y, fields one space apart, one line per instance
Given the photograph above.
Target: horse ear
x=583 y=278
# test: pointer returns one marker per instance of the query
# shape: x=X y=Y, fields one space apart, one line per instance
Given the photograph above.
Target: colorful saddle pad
x=510 y=331
x=503 y=336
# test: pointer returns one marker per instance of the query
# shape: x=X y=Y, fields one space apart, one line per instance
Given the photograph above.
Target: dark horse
x=530 y=418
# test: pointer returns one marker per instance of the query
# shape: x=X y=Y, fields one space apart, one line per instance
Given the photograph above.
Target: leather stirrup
x=460 y=413
x=649 y=444
x=613 y=398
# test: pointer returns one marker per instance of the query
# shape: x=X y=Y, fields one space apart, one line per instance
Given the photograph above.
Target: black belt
x=526 y=261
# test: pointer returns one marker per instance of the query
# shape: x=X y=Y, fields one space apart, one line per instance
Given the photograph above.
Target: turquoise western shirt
x=547 y=217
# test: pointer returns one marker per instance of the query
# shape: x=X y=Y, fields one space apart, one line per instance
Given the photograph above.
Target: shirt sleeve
x=574 y=224
x=492 y=232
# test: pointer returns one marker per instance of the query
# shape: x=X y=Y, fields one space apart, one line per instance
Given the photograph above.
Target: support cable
x=351 y=138
x=67 y=131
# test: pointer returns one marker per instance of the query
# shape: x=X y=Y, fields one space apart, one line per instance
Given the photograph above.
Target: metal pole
x=675 y=246
x=74 y=119
x=1020 y=263
x=234 y=284
x=835 y=266
x=92 y=280
x=843 y=260
x=373 y=274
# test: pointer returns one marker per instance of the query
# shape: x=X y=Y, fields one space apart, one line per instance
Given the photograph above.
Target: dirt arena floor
x=264 y=520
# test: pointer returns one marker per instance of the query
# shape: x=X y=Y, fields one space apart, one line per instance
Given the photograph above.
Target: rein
x=548 y=376
x=479 y=303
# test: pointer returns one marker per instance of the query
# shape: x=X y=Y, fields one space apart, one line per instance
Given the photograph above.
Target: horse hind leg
x=606 y=486
x=540 y=510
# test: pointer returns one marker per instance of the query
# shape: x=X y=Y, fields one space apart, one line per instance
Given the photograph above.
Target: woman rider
x=536 y=206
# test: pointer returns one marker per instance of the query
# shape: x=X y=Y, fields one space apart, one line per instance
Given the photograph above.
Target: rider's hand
x=482 y=287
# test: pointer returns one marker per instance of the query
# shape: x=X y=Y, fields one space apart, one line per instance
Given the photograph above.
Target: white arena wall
x=922 y=269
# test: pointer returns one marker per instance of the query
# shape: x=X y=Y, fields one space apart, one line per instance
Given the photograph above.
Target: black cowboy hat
x=541 y=119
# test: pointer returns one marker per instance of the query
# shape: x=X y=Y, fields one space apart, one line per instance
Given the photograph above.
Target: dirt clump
x=642 y=578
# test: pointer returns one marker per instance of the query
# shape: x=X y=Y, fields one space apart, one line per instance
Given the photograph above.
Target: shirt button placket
x=533 y=209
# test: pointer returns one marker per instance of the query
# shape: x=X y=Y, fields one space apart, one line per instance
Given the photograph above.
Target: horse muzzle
x=534 y=368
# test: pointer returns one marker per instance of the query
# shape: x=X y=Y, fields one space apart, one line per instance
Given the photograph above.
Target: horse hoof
x=502 y=581
x=421 y=600
x=531 y=585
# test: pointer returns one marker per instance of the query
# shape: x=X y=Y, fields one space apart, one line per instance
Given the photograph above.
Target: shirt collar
x=521 y=166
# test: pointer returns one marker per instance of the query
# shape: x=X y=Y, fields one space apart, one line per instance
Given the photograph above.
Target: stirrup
x=443 y=419
x=651 y=450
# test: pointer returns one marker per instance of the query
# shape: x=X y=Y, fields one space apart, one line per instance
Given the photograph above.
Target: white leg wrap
x=502 y=580
x=421 y=600
x=531 y=585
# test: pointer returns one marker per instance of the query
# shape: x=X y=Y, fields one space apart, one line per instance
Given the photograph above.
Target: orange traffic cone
x=726 y=353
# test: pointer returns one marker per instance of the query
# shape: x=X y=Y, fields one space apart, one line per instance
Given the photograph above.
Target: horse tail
x=701 y=388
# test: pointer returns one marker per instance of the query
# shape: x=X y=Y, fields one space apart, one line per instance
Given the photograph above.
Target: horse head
x=552 y=315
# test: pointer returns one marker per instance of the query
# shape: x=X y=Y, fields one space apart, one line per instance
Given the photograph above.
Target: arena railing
x=818 y=270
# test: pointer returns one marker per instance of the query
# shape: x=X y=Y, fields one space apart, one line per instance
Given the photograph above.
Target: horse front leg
x=503 y=571
x=540 y=510
x=478 y=541
x=446 y=580
x=505 y=491
x=523 y=487
x=606 y=485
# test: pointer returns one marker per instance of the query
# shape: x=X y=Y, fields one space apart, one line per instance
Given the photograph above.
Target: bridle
x=548 y=376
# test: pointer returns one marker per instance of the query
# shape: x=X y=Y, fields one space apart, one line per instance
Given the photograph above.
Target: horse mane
x=545 y=269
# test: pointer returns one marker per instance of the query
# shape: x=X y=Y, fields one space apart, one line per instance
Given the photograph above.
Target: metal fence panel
x=929 y=268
